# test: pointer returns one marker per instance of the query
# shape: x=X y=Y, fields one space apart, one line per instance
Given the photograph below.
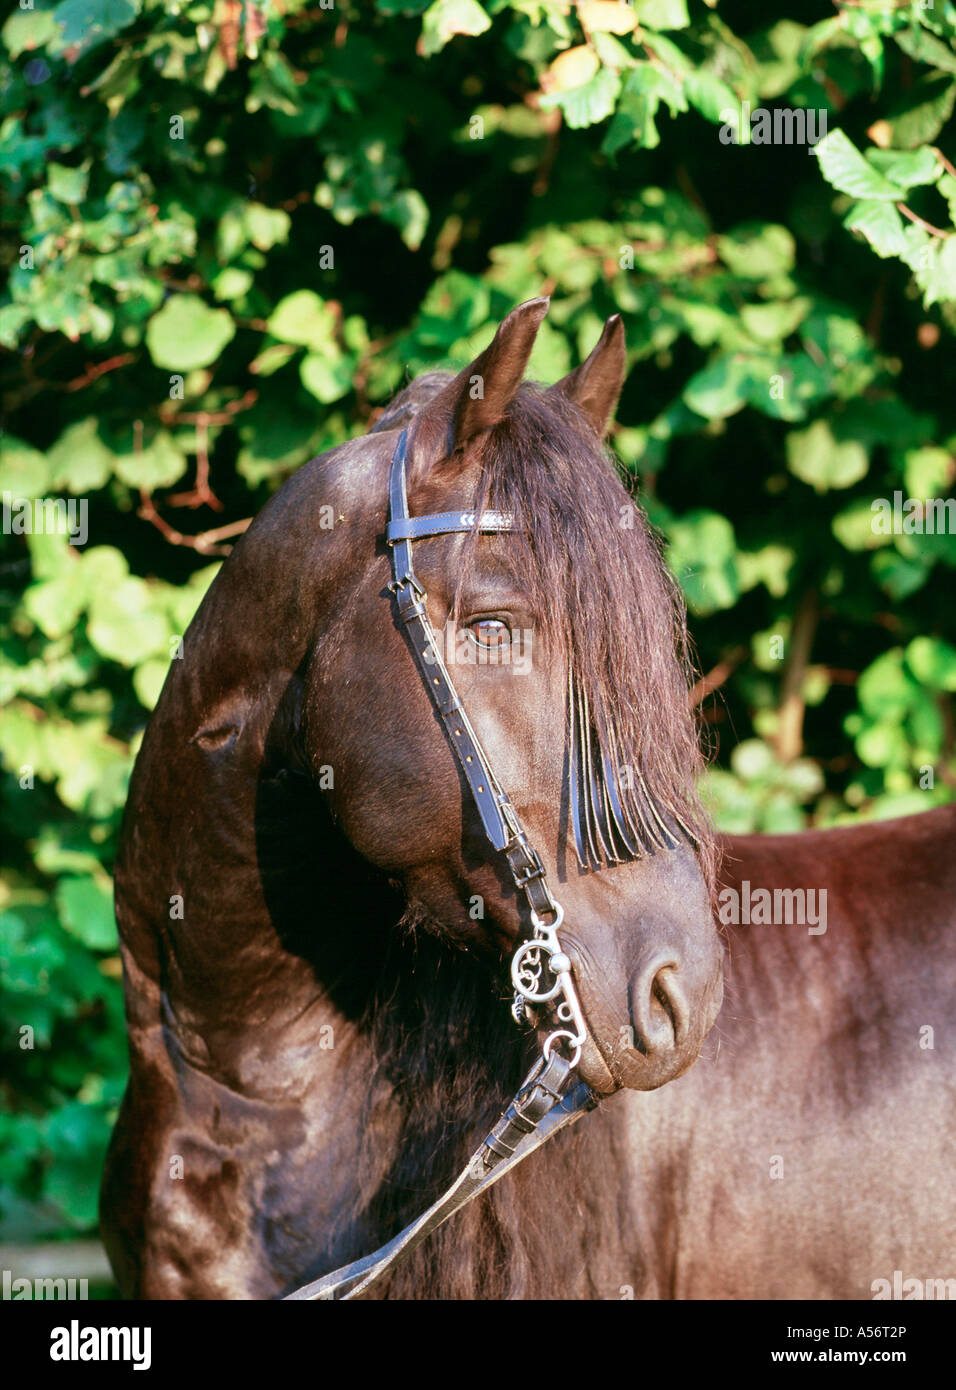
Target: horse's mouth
x=648 y=1034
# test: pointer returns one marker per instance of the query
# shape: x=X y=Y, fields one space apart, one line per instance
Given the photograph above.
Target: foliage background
x=291 y=207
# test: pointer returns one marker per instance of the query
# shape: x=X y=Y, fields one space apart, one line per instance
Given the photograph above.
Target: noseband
x=540 y=969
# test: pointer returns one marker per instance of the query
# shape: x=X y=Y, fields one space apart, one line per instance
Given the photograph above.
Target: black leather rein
x=541 y=972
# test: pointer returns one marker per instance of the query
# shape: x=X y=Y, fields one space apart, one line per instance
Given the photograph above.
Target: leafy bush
x=233 y=229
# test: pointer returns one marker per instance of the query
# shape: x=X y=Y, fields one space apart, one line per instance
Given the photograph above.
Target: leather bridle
x=540 y=969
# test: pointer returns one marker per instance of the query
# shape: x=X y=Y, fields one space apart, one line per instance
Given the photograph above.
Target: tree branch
x=789 y=739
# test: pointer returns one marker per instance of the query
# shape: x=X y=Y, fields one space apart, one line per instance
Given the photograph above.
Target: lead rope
x=543 y=1105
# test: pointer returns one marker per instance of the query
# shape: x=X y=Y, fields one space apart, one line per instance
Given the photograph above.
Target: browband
x=413 y=528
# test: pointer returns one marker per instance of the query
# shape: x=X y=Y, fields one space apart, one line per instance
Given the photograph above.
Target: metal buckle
x=522 y=880
x=407 y=581
x=536 y=870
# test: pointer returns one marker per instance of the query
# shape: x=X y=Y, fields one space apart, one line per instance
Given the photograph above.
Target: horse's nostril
x=658 y=1008
x=667 y=990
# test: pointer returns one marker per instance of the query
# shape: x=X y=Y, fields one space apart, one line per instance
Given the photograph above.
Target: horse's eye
x=490 y=632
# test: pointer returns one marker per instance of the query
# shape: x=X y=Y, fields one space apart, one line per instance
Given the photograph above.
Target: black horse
x=314 y=930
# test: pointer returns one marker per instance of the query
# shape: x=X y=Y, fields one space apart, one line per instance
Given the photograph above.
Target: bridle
x=498 y=816
x=540 y=969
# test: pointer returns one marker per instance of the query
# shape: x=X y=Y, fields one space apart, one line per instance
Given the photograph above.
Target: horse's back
x=808 y=1153
x=873 y=862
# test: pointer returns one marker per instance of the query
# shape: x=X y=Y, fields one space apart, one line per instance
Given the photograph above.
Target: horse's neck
x=250 y=921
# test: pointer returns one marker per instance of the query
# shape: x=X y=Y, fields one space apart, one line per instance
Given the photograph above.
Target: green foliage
x=231 y=231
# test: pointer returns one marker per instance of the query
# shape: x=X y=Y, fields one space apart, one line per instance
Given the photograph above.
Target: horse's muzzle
x=649 y=1029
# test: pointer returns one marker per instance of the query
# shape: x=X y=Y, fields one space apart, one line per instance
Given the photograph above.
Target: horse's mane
x=443 y=1045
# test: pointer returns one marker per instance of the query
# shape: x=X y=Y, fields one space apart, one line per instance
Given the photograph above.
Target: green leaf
x=923 y=112
x=408 y=211
x=125 y=624
x=77 y=1136
x=926 y=48
x=13 y=318
x=935 y=272
x=928 y=472
x=550 y=356
x=753 y=760
x=148 y=681
x=302 y=318
x=271 y=358
x=266 y=227
x=854 y=529
x=721 y=389
x=847 y=171
x=836 y=338
x=328 y=380
x=68 y=185
x=83 y=24
x=775 y=321
x=947 y=186
x=817 y=457
x=187 y=333
x=446 y=18
x=85 y=906
x=884 y=690
x=593 y=101
x=788 y=386
x=26 y=30
x=79 y=460
x=770 y=566
x=273 y=82
x=24 y=472
x=662 y=14
x=757 y=250
x=897 y=575
x=232 y=283
x=160 y=464
x=906 y=168
x=881 y=225
x=702 y=554
x=274 y=443
x=644 y=88
x=933 y=662
x=55 y=604
x=711 y=97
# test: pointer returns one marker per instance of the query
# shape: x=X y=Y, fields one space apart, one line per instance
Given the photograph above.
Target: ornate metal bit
x=533 y=987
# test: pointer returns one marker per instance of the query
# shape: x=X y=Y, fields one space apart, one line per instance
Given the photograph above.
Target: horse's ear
x=596 y=384
x=480 y=395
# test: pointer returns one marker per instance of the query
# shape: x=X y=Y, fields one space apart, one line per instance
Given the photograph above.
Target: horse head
x=564 y=637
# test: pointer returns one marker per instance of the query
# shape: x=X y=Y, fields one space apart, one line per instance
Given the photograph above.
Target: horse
x=314 y=930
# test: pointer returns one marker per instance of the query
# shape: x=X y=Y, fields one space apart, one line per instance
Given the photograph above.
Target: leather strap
x=536 y=1114
x=498 y=816
x=413 y=528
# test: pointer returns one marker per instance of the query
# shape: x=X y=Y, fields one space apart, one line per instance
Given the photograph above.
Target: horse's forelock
x=597 y=580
